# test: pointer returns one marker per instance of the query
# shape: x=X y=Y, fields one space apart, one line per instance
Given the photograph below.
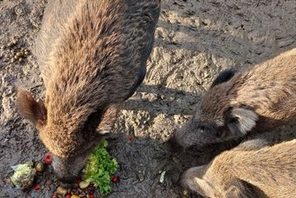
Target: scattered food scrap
x=161 y=179
x=47 y=159
x=100 y=167
x=23 y=176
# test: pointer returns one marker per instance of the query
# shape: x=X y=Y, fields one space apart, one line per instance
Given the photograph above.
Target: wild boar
x=252 y=100
x=92 y=56
x=247 y=173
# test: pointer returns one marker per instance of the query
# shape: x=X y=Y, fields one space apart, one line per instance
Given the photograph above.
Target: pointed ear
x=192 y=179
x=224 y=76
x=240 y=120
x=205 y=188
x=30 y=109
x=241 y=189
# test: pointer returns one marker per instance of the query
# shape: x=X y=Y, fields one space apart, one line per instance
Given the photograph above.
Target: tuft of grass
x=100 y=167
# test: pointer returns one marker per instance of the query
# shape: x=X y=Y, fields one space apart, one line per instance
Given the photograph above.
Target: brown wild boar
x=256 y=99
x=247 y=173
x=92 y=56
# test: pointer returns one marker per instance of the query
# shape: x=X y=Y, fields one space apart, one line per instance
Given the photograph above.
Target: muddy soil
x=195 y=39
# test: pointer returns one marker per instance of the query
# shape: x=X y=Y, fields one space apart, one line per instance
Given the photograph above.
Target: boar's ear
x=223 y=76
x=30 y=109
x=242 y=189
x=204 y=188
x=192 y=179
x=240 y=120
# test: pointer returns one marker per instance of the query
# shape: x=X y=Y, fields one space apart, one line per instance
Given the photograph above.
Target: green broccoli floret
x=100 y=167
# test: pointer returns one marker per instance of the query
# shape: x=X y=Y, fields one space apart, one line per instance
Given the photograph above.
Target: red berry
x=115 y=179
x=36 y=187
x=68 y=195
x=130 y=138
x=47 y=159
x=54 y=196
x=90 y=196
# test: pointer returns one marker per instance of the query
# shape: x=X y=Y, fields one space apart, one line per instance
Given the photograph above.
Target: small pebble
x=140 y=176
x=39 y=167
x=83 y=184
x=61 y=191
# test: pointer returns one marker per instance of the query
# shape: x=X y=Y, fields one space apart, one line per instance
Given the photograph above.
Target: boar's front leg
x=108 y=120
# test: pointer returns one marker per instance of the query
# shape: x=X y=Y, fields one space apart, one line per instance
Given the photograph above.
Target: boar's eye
x=220 y=132
x=233 y=120
x=202 y=128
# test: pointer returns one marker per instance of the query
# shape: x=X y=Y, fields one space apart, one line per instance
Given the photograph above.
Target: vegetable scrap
x=100 y=167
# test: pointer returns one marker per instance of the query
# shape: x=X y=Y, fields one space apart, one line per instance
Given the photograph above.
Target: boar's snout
x=198 y=134
x=68 y=169
x=183 y=137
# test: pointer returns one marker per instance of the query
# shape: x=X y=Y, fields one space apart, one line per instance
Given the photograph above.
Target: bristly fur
x=268 y=88
x=256 y=99
x=92 y=55
x=267 y=172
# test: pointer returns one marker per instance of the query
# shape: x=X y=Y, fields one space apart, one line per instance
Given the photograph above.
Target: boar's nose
x=67 y=169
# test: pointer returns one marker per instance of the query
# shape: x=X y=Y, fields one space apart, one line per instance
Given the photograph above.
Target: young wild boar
x=247 y=173
x=255 y=99
x=92 y=55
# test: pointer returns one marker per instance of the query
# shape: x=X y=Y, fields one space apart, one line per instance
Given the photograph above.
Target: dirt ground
x=195 y=39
